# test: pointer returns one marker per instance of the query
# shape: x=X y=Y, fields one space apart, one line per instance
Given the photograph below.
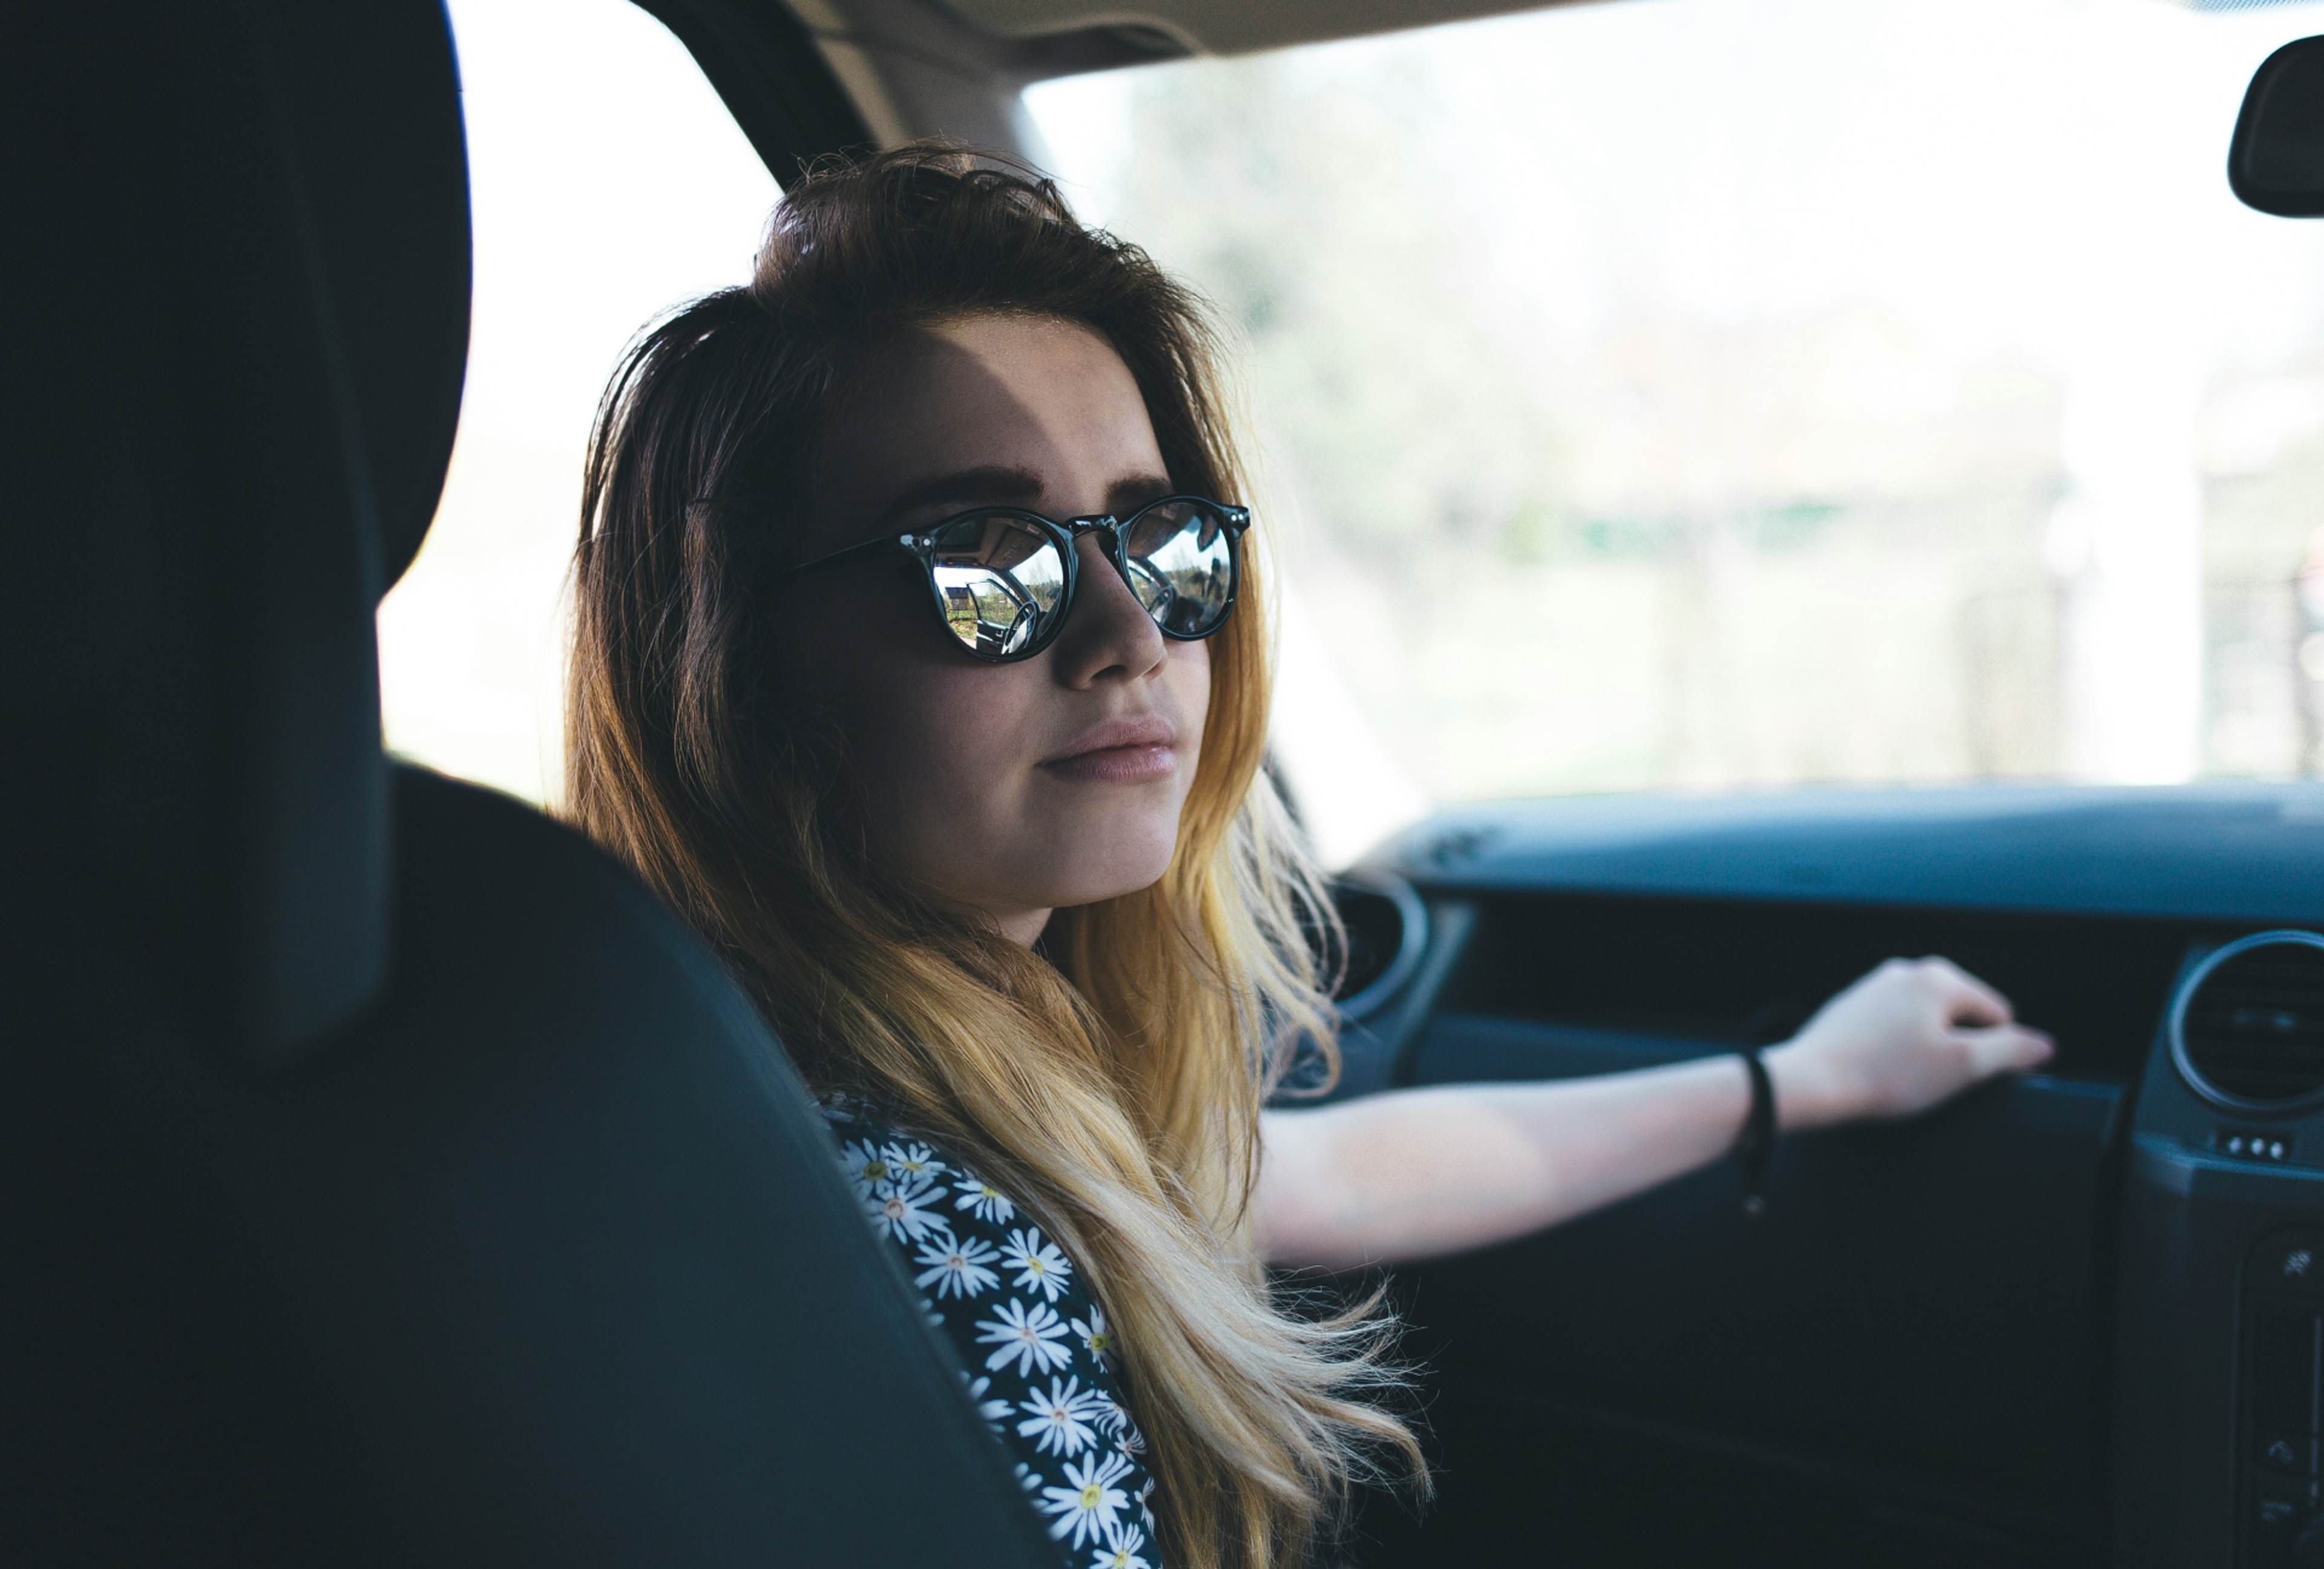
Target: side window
x=608 y=183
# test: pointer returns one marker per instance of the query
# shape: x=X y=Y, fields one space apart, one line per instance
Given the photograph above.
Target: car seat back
x=383 y=1177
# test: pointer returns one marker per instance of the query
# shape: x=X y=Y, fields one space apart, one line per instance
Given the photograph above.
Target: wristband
x=1757 y=1138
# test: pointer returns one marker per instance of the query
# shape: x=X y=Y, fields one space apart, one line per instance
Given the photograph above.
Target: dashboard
x=2050 y=1322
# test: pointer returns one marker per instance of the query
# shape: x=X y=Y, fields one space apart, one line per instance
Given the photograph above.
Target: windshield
x=1688 y=393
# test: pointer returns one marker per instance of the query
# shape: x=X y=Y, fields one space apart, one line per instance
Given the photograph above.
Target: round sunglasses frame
x=921 y=548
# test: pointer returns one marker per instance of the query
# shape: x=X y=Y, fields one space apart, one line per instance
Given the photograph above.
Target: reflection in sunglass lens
x=1182 y=566
x=1000 y=577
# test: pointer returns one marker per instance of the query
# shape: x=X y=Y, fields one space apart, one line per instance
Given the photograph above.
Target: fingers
x=1912 y=1034
x=1967 y=999
x=2005 y=1048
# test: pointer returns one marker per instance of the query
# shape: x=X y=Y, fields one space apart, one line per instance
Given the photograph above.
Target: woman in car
x=921 y=663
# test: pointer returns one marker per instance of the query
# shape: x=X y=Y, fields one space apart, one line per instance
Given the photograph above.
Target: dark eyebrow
x=1130 y=494
x=999 y=486
x=994 y=484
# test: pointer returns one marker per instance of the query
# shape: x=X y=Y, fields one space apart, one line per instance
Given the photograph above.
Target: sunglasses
x=1002 y=579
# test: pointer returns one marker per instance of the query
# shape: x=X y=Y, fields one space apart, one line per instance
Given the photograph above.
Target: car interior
x=390 y=1179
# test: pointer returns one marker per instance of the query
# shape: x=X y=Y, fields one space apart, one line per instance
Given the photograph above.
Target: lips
x=1119 y=751
x=1118 y=734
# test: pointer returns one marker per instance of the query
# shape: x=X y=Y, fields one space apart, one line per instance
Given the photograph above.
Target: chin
x=1111 y=875
x=1097 y=891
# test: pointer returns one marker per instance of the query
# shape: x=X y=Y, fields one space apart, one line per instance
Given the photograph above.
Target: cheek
x=929 y=739
x=935 y=750
x=859 y=657
x=936 y=745
x=1187 y=674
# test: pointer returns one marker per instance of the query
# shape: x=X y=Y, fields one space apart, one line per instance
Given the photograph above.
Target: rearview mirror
x=2276 y=162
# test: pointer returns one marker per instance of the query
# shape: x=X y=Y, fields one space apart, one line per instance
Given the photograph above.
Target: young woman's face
x=1019 y=789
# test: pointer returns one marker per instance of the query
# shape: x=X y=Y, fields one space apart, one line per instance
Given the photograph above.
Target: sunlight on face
x=1012 y=790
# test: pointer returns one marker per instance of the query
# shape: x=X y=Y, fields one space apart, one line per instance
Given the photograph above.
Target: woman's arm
x=1414 y=1173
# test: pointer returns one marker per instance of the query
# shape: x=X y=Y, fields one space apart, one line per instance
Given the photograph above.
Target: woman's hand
x=1909 y=1035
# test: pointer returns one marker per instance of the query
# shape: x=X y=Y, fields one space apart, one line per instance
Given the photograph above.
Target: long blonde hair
x=1112 y=1082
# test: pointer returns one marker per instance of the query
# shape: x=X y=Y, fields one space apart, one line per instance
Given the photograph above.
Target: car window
x=1687 y=393
x=608 y=183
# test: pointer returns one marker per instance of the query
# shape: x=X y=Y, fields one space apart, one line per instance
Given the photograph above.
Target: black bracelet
x=1759 y=1135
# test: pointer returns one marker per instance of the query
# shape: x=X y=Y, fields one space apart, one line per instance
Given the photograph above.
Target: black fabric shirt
x=1044 y=1367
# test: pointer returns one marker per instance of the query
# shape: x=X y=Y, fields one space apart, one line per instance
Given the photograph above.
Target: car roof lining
x=1228 y=26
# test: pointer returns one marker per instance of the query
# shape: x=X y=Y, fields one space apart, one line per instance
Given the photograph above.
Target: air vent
x=2247 y=1026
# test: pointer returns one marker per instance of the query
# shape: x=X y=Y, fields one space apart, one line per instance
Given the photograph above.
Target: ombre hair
x=1112 y=1081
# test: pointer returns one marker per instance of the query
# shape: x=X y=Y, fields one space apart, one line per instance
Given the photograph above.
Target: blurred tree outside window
x=1684 y=394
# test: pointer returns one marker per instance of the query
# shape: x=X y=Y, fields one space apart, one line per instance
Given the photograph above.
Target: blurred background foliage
x=1569 y=521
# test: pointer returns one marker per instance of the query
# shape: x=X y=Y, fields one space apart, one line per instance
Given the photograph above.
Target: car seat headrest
x=373 y=109
x=237 y=264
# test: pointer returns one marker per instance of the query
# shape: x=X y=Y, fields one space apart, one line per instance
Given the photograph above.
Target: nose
x=1107 y=635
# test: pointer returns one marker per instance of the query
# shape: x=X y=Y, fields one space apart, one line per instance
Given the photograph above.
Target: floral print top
x=1042 y=1366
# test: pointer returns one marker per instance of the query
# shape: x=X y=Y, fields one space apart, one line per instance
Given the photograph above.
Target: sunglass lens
x=1182 y=566
x=999 y=579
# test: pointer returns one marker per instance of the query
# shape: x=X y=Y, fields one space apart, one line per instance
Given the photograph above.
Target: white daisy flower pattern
x=1028 y=1336
x=1122 y=1549
x=1095 y=1338
x=1044 y=1367
x=905 y=1211
x=1089 y=1500
x=981 y=1199
x=1040 y=1266
x=865 y=1167
x=1060 y=1419
x=1113 y=1419
x=956 y=1266
x=994 y=1412
x=910 y=1160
